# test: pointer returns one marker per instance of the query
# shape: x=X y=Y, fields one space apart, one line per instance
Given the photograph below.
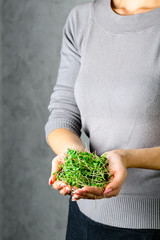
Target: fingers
x=93 y=196
x=118 y=180
x=62 y=187
x=56 y=166
x=112 y=194
x=87 y=196
x=90 y=190
x=66 y=190
x=58 y=185
x=76 y=197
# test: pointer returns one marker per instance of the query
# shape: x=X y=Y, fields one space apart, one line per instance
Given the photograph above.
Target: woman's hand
x=117 y=167
x=59 y=185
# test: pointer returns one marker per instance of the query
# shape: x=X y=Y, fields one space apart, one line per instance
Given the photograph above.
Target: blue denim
x=80 y=227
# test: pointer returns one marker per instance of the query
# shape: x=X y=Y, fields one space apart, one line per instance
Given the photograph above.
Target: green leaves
x=110 y=176
x=84 y=169
x=105 y=154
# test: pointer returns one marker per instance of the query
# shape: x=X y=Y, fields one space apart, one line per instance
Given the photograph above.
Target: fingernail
x=75 y=196
x=63 y=184
x=82 y=190
x=68 y=189
x=76 y=191
x=50 y=182
x=108 y=191
x=79 y=193
x=73 y=190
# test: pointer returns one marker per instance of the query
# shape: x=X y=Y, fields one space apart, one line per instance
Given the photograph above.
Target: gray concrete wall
x=0 y=123
x=31 y=41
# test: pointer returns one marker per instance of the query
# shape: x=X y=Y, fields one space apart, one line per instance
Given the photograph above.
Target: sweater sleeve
x=64 y=112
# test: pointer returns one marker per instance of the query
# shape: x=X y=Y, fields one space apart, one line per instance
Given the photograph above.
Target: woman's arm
x=119 y=161
x=63 y=128
x=61 y=139
x=148 y=158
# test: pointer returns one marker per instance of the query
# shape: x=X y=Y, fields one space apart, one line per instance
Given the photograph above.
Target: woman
x=109 y=84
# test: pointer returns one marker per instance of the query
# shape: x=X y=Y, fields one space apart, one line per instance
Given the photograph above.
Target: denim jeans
x=80 y=227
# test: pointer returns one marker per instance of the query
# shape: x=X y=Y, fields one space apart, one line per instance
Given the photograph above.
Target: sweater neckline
x=116 y=23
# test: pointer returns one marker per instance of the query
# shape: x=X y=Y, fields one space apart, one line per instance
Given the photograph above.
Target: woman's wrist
x=124 y=154
x=147 y=158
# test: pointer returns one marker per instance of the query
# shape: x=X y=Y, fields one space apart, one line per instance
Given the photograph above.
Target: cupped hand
x=117 y=167
x=56 y=167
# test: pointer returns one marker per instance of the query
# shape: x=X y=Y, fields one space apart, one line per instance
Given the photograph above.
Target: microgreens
x=84 y=169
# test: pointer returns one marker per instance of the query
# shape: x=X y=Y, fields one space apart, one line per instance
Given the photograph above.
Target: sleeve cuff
x=62 y=123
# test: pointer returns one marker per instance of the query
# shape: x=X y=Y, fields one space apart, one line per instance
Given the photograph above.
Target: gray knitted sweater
x=108 y=84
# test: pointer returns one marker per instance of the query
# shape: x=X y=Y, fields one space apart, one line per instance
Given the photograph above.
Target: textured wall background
x=31 y=37
x=0 y=122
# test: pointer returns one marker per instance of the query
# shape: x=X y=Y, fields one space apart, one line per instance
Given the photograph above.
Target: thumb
x=116 y=183
x=57 y=163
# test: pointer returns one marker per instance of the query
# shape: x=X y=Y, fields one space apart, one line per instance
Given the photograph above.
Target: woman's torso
x=117 y=91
